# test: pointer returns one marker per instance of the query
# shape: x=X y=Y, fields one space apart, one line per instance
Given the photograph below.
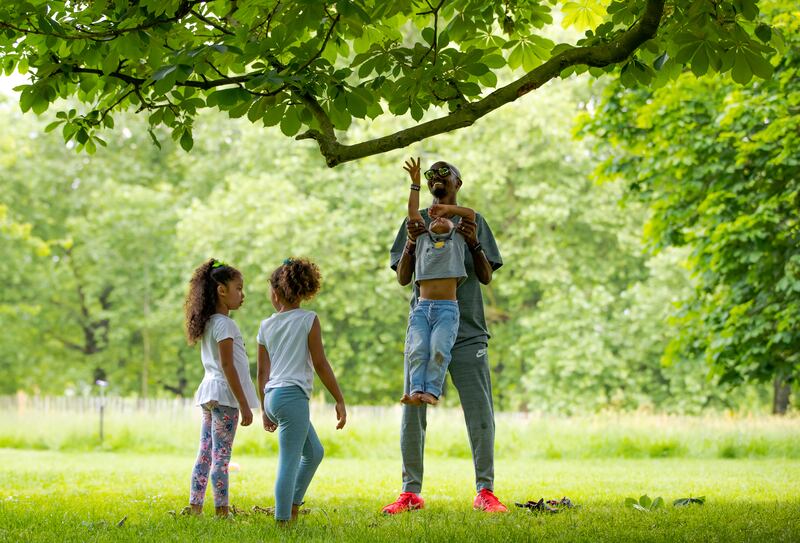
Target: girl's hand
x=247 y=415
x=269 y=426
x=341 y=415
x=439 y=210
x=413 y=169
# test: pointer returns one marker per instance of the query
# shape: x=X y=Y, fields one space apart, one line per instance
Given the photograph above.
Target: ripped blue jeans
x=432 y=331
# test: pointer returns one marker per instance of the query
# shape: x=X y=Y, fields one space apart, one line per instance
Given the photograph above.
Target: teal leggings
x=299 y=449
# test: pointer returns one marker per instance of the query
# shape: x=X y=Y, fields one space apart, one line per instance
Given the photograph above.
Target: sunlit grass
x=52 y=496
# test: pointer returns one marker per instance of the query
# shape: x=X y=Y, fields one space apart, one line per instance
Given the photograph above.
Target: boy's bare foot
x=411 y=400
x=428 y=398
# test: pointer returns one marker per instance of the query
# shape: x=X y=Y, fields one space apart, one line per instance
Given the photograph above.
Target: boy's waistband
x=426 y=301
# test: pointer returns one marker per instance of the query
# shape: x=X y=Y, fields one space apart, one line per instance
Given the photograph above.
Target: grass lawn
x=62 y=496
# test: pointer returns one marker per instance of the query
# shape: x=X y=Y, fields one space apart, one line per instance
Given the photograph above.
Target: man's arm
x=483 y=268
x=405 y=267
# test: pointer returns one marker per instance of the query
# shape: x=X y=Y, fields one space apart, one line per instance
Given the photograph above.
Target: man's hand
x=413 y=169
x=269 y=426
x=247 y=415
x=468 y=229
x=415 y=228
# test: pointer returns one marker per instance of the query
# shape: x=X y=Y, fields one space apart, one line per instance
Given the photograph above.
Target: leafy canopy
x=311 y=67
x=718 y=165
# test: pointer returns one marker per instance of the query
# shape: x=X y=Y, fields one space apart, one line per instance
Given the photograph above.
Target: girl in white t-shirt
x=214 y=290
x=289 y=352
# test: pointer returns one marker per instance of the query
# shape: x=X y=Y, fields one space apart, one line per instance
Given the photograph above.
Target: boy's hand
x=440 y=210
x=341 y=415
x=269 y=426
x=413 y=169
x=247 y=415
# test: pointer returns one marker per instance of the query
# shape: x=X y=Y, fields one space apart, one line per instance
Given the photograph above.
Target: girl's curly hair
x=296 y=280
x=201 y=300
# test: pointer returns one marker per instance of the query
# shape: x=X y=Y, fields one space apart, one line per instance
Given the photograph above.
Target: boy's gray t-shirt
x=472 y=326
x=440 y=256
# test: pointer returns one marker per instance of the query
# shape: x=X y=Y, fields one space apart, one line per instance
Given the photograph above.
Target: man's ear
x=458 y=182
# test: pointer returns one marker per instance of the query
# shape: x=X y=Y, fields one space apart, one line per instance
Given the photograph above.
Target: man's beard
x=439 y=192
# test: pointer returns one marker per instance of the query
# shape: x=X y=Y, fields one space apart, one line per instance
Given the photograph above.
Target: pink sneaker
x=407 y=501
x=487 y=501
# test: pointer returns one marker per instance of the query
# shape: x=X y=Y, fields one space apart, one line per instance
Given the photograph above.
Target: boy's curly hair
x=201 y=300
x=296 y=280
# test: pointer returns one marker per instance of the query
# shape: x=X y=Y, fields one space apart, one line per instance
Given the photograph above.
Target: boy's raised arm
x=412 y=168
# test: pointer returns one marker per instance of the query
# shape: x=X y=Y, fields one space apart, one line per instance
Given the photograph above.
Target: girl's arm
x=263 y=376
x=323 y=369
x=226 y=358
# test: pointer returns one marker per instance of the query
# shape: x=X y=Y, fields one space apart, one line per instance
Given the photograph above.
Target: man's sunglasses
x=444 y=171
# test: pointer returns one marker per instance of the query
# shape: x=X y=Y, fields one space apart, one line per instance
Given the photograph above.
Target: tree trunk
x=146 y=334
x=780 y=401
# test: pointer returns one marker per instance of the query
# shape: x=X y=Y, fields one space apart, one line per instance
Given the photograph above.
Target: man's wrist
x=415 y=186
x=475 y=248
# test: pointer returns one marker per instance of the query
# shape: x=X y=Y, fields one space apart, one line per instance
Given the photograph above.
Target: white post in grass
x=102 y=384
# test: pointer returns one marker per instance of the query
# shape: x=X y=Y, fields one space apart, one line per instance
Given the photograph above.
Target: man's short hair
x=454 y=169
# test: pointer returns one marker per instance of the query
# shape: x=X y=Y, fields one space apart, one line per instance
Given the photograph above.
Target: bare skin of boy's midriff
x=438 y=289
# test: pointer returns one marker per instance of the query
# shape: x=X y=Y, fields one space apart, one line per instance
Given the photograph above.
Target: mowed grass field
x=75 y=490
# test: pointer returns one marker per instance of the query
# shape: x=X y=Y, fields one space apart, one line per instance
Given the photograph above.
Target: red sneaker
x=407 y=501
x=487 y=501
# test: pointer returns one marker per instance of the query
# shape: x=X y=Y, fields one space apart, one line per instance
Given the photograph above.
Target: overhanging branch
x=595 y=55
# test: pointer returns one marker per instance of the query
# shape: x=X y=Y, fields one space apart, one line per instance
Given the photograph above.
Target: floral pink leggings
x=216 y=445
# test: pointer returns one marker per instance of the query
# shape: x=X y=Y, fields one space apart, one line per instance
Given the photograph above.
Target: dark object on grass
x=682 y=502
x=549 y=506
x=263 y=510
x=121 y=522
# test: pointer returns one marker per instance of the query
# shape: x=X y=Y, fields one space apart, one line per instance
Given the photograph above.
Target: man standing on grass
x=469 y=367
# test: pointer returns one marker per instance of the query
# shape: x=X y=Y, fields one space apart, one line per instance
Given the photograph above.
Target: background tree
x=314 y=66
x=577 y=314
x=719 y=167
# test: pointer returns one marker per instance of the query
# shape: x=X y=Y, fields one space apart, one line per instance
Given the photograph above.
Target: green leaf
x=273 y=115
x=700 y=61
x=290 y=123
x=111 y=62
x=764 y=32
x=758 y=64
x=187 y=141
x=163 y=72
x=52 y=126
x=741 y=71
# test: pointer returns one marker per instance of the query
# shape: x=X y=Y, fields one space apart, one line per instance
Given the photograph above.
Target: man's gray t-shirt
x=472 y=326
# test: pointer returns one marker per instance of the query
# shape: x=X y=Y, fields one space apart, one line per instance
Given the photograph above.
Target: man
x=469 y=367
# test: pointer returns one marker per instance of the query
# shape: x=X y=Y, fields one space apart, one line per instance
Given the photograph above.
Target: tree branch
x=613 y=52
